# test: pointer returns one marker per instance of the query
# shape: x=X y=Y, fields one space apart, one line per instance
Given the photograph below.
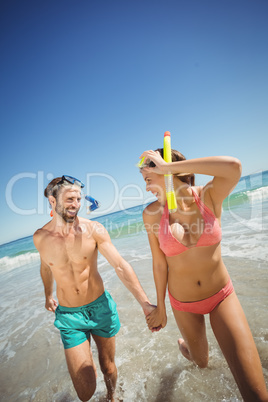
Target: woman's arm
x=158 y=317
x=225 y=169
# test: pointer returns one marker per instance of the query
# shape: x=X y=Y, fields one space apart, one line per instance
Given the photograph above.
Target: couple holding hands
x=186 y=255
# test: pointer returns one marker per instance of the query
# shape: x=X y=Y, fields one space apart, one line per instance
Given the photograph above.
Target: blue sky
x=86 y=86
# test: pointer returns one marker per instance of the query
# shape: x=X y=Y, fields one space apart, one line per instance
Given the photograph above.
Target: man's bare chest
x=75 y=250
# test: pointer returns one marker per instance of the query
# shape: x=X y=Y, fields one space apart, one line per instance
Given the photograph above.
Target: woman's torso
x=190 y=240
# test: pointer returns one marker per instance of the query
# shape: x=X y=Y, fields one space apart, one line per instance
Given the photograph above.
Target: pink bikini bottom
x=203 y=306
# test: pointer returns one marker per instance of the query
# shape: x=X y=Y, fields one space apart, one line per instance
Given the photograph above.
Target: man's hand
x=148 y=308
x=51 y=304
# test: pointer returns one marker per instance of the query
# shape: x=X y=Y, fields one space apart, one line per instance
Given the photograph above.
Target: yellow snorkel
x=171 y=197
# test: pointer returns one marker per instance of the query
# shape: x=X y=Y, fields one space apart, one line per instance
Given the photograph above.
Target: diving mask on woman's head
x=142 y=164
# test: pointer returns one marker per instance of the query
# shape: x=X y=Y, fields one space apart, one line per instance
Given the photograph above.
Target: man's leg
x=82 y=370
x=106 y=349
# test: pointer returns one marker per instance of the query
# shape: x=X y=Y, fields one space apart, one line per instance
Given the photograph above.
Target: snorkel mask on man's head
x=66 y=179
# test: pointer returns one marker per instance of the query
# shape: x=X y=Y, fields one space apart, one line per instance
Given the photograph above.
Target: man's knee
x=108 y=367
x=86 y=394
x=85 y=383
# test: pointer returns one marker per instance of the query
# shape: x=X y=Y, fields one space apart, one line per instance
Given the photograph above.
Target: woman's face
x=155 y=183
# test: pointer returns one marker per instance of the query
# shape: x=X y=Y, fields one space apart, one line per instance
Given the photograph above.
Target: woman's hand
x=148 y=309
x=160 y=164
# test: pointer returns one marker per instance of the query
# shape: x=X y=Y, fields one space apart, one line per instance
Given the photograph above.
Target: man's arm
x=46 y=274
x=122 y=268
x=48 y=281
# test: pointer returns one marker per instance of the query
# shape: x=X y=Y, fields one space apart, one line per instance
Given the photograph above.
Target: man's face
x=68 y=203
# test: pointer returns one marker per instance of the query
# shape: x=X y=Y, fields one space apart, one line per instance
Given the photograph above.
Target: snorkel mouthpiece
x=94 y=203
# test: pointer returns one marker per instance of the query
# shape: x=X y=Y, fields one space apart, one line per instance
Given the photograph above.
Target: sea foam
x=8 y=263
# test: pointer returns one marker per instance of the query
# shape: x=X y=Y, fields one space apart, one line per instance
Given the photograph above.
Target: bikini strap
x=203 y=208
x=197 y=199
x=165 y=215
x=163 y=224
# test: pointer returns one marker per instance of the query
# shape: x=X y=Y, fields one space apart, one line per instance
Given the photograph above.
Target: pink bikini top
x=211 y=234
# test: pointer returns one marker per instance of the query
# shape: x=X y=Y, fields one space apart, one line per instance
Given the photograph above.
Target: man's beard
x=63 y=213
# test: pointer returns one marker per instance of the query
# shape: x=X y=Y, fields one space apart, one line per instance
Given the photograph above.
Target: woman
x=186 y=255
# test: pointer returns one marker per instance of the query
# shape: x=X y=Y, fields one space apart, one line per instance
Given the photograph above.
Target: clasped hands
x=156 y=320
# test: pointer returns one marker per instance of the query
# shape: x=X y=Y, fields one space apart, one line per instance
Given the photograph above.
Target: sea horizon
x=236 y=189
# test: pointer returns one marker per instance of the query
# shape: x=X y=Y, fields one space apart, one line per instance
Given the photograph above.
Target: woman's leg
x=194 y=345
x=233 y=334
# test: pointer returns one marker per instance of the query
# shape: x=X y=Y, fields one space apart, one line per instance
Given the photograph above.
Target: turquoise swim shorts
x=77 y=323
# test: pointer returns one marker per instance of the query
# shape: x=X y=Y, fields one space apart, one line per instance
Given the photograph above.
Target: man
x=68 y=246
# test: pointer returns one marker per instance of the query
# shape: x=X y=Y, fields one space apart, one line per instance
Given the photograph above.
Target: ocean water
x=150 y=367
